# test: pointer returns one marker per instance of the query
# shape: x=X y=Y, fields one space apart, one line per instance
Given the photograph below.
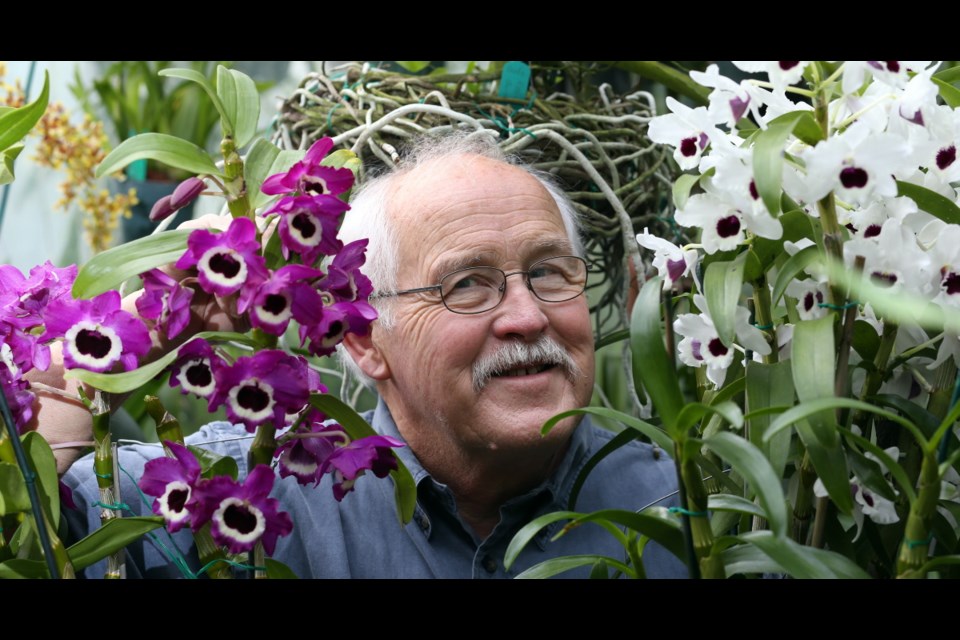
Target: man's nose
x=520 y=314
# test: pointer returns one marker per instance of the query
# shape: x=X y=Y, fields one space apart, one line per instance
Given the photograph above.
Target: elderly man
x=484 y=334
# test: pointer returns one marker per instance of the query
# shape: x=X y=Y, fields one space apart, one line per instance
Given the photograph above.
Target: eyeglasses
x=477 y=289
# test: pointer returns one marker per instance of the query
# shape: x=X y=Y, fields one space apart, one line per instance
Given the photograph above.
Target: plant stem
x=764 y=316
x=208 y=551
x=917 y=535
x=103 y=467
x=820 y=522
x=235 y=189
x=803 y=507
x=710 y=565
x=264 y=444
x=876 y=377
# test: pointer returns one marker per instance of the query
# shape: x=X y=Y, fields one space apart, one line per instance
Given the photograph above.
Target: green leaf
x=930 y=201
x=693 y=412
x=738 y=504
x=616 y=336
x=796 y=225
x=552 y=567
x=112 y=536
x=530 y=530
x=657 y=435
x=950 y=74
x=108 y=270
x=750 y=463
x=768 y=156
x=405 y=489
x=801 y=561
x=722 y=284
x=130 y=380
x=190 y=74
x=792 y=268
x=257 y=164
x=656 y=523
x=212 y=464
x=870 y=474
x=806 y=409
x=7 y=159
x=241 y=101
x=949 y=93
x=622 y=438
x=277 y=570
x=747 y=559
x=44 y=465
x=677 y=81
x=866 y=341
x=812 y=363
x=925 y=421
x=23 y=569
x=681 y=188
x=651 y=363
x=830 y=465
x=769 y=385
x=16 y=124
x=13 y=491
x=171 y=151
x=414 y=66
x=281 y=164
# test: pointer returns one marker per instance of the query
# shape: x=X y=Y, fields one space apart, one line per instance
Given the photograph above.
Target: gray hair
x=369 y=217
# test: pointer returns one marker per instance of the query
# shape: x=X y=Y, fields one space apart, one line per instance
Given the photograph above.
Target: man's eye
x=544 y=271
x=469 y=282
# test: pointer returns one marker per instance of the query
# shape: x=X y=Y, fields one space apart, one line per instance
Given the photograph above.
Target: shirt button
x=489 y=564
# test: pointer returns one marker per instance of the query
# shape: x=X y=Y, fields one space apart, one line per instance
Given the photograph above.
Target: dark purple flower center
x=872 y=230
x=717 y=348
x=688 y=147
x=253 y=398
x=950 y=282
x=177 y=498
x=753 y=190
x=786 y=65
x=738 y=107
x=675 y=269
x=894 y=66
x=728 y=227
x=225 y=264
x=853 y=177
x=315 y=187
x=867 y=498
x=335 y=328
x=946 y=156
x=808 y=301
x=275 y=304
x=93 y=343
x=303 y=223
x=695 y=348
x=884 y=279
x=239 y=518
x=299 y=455
x=199 y=374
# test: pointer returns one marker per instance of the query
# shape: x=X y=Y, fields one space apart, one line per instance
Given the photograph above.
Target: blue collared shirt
x=361 y=537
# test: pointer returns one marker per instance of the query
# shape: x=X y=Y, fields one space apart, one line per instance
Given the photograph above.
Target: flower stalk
x=764 y=317
x=701 y=534
x=803 y=505
x=104 y=468
x=235 y=189
x=918 y=535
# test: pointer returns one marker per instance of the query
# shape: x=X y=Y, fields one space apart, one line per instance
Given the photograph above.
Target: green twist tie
x=116 y=506
x=239 y=565
x=919 y=543
x=499 y=121
x=692 y=514
x=827 y=305
x=105 y=476
x=763 y=327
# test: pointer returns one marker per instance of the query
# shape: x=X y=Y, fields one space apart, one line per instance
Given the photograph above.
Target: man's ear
x=367 y=355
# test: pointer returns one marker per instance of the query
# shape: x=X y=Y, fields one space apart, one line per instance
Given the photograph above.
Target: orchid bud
x=186 y=192
x=162 y=209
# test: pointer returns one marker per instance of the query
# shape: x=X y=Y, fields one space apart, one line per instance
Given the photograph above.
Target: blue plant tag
x=514 y=80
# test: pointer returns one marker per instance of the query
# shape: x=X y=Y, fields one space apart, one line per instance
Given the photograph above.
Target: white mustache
x=545 y=350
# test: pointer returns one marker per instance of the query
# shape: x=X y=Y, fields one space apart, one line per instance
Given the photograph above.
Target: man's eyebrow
x=455 y=262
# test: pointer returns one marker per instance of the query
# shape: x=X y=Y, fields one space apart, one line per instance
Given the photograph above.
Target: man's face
x=472 y=211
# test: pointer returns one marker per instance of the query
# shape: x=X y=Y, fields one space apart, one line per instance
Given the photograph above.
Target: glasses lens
x=472 y=290
x=558 y=279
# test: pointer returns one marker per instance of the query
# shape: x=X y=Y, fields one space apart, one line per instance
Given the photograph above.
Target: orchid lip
x=240 y=521
x=93 y=333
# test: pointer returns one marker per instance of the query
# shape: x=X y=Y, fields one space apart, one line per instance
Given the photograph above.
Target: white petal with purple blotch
x=172 y=502
x=247 y=400
x=240 y=521
x=219 y=274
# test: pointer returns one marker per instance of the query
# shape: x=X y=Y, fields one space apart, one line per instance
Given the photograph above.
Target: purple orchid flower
x=97 y=333
x=26 y=298
x=308 y=226
x=349 y=462
x=338 y=319
x=18 y=394
x=284 y=295
x=302 y=452
x=224 y=260
x=263 y=387
x=242 y=514
x=26 y=350
x=185 y=193
x=309 y=177
x=195 y=368
x=344 y=280
x=174 y=482
x=165 y=301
